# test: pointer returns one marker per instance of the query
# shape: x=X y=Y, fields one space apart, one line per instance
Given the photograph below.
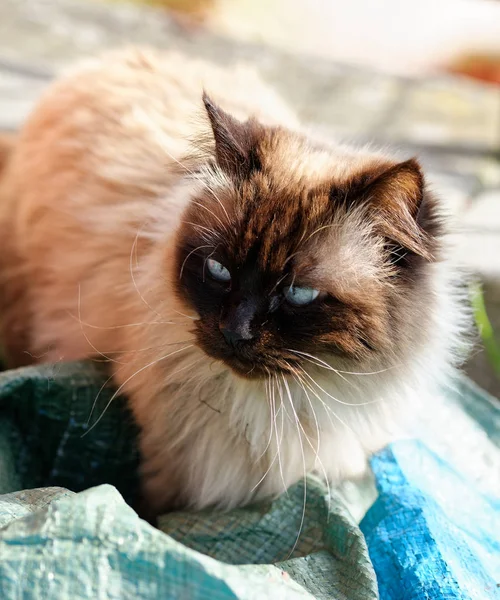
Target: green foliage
x=485 y=328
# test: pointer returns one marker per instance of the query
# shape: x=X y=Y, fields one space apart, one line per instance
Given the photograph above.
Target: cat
x=268 y=301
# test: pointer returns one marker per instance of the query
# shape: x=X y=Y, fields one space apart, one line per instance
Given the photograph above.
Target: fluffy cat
x=267 y=301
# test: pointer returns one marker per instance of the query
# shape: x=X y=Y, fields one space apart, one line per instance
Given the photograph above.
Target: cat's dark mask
x=292 y=250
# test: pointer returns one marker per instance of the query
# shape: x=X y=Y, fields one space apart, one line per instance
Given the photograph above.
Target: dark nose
x=235 y=336
x=236 y=322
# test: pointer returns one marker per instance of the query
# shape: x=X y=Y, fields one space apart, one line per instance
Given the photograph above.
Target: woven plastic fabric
x=92 y=545
x=434 y=530
x=56 y=544
x=44 y=431
x=432 y=533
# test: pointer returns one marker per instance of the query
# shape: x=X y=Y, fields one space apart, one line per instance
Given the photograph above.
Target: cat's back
x=123 y=119
x=106 y=141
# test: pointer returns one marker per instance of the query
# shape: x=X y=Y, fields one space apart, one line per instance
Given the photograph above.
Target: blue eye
x=218 y=271
x=300 y=296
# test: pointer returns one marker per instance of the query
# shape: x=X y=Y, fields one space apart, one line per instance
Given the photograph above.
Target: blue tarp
x=431 y=534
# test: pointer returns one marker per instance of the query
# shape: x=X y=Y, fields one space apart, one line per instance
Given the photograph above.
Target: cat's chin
x=247 y=370
x=244 y=368
x=253 y=370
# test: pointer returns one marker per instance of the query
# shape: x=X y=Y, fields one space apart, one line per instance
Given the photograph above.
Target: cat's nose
x=237 y=335
x=236 y=323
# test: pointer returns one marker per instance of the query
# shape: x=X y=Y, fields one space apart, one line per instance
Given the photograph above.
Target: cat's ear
x=235 y=141
x=405 y=213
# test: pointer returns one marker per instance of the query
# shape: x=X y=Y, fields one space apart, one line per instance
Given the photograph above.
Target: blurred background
x=423 y=77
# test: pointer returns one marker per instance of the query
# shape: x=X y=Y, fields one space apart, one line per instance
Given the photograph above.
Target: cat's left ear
x=235 y=141
x=405 y=212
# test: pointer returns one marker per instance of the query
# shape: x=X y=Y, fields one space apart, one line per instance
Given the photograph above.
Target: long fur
x=91 y=205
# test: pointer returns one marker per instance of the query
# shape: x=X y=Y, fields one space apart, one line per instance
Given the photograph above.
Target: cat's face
x=292 y=251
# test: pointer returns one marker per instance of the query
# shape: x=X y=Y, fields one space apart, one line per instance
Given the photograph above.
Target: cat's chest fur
x=222 y=441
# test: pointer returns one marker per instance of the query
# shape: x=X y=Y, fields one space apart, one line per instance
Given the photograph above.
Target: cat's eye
x=300 y=296
x=217 y=270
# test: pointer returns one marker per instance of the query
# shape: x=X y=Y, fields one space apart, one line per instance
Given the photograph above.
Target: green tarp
x=56 y=543
x=60 y=540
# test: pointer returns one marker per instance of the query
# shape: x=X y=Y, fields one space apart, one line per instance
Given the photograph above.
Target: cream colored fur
x=89 y=206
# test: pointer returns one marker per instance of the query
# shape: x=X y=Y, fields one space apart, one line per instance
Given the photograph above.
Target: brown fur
x=283 y=229
x=110 y=219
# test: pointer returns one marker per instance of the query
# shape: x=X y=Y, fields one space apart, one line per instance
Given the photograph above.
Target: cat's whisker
x=327 y=408
x=297 y=420
x=316 y=423
x=206 y=238
x=205 y=185
x=217 y=199
x=292 y=256
x=319 y=363
x=152 y=363
x=199 y=179
x=205 y=261
x=278 y=282
x=329 y=411
x=87 y=339
x=271 y=410
x=268 y=397
x=139 y=324
x=106 y=355
x=213 y=215
x=190 y=253
x=319 y=360
x=184 y=315
x=121 y=368
x=339 y=371
x=399 y=256
x=169 y=322
x=316 y=451
x=279 y=441
x=275 y=413
x=163 y=321
x=265 y=474
x=336 y=399
x=137 y=350
x=94 y=404
x=282 y=405
x=133 y=252
x=188 y=379
x=302 y=519
x=280 y=410
x=316 y=231
x=212 y=232
x=362 y=373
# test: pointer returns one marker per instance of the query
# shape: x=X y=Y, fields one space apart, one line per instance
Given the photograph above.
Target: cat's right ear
x=235 y=141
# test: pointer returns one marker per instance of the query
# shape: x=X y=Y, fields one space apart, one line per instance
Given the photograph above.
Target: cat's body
x=104 y=224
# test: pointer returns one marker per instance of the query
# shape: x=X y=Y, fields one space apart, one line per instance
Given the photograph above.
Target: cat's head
x=293 y=249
